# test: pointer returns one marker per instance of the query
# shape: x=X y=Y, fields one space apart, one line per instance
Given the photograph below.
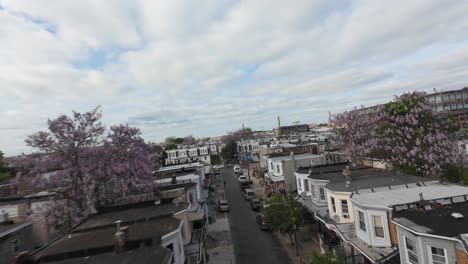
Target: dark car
x=256 y=204
x=261 y=223
x=244 y=185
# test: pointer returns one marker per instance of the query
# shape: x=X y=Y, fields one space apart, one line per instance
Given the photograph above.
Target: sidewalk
x=219 y=241
x=307 y=236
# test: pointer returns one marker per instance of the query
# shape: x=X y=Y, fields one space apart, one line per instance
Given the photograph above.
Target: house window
x=333 y=204
x=411 y=251
x=313 y=191
x=306 y=186
x=344 y=208
x=438 y=255
x=378 y=226
x=299 y=183
x=322 y=194
x=271 y=165
x=362 y=221
x=277 y=168
x=15 y=248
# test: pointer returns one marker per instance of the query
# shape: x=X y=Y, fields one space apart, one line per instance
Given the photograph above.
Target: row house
x=134 y=233
x=248 y=149
x=187 y=155
x=280 y=175
x=356 y=208
x=288 y=147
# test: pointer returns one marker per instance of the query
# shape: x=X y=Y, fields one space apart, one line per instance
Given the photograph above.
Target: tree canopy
x=283 y=213
x=406 y=132
x=88 y=167
x=324 y=258
x=229 y=152
x=240 y=134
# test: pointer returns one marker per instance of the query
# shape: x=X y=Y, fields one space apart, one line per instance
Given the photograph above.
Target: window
x=271 y=165
x=333 y=204
x=277 y=168
x=15 y=248
x=322 y=194
x=313 y=191
x=459 y=96
x=306 y=185
x=438 y=255
x=344 y=208
x=378 y=226
x=362 y=221
x=299 y=183
x=411 y=251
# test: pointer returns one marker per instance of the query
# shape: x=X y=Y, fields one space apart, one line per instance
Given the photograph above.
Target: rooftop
x=103 y=239
x=143 y=255
x=327 y=168
x=130 y=215
x=370 y=178
x=6 y=229
x=405 y=195
x=287 y=156
x=180 y=166
x=436 y=221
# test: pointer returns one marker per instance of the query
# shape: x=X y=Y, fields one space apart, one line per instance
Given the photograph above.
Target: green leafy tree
x=283 y=214
x=215 y=159
x=325 y=258
x=229 y=152
x=5 y=172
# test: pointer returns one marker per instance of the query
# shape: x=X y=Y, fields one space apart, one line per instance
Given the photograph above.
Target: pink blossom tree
x=86 y=166
x=406 y=132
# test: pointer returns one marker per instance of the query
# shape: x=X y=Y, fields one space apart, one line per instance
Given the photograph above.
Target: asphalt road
x=251 y=245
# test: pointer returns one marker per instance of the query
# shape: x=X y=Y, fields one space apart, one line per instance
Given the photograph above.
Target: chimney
x=279 y=122
x=293 y=161
x=120 y=237
x=347 y=174
x=421 y=198
x=3 y=217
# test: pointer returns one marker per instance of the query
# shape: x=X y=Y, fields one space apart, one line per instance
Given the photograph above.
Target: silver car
x=223 y=206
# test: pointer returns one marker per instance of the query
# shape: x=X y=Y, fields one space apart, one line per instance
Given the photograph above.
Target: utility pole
x=246 y=159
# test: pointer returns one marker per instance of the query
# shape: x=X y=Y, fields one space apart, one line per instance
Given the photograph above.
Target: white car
x=242 y=178
x=237 y=169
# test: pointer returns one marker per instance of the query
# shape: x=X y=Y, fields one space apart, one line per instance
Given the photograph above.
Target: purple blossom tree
x=245 y=133
x=86 y=166
x=406 y=132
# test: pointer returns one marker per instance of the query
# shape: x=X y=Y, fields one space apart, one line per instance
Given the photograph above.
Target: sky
x=174 y=68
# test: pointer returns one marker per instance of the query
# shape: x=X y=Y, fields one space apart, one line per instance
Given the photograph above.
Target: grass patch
x=5 y=175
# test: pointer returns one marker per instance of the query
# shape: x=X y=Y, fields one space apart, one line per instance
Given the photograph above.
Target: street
x=251 y=245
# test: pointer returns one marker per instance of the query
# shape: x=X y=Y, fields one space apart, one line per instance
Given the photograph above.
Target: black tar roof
x=328 y=168
x=367 y=178
x=103 y=239
x=437 y=221
x=169 y=174
x=130 y=215
x=176 y=186
x=6 y=227
x=144 y=255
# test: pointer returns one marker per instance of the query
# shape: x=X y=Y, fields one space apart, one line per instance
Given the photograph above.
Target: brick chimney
x=347 y=174
x=120 y=237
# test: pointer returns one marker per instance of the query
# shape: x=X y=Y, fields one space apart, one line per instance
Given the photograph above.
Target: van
x=237 y=169
x=249 y=194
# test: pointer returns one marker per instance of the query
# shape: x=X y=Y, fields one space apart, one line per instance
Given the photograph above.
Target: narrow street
x=251 y=245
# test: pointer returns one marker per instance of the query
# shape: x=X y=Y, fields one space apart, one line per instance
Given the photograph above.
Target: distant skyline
x=174 y=68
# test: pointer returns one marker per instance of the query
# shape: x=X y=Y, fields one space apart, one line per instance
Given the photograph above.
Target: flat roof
x=436 y=221
x=409 y=195
x=6 y=229
x=296 y=156
x=328 y=168
x=371 y=178
x=130 y=215
x=180 y=166
x=143 y=255
x=104 y=238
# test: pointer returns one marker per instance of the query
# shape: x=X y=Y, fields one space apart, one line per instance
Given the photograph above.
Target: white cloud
x=205 y=67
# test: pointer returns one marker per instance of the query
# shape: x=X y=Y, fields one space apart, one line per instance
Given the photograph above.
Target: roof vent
x=457 y=216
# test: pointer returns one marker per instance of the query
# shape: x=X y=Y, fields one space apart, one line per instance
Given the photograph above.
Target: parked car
x=256 y=204
x=223 y=206
x=249 y=194
x=242 y=178
x=244 y=185
x=216 y=171
x=261 y=223
x=237 y=169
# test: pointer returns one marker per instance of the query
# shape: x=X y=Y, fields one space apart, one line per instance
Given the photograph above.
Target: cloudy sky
x=205 y=67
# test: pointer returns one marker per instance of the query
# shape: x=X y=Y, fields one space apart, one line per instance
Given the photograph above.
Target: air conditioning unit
x=345 y=215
